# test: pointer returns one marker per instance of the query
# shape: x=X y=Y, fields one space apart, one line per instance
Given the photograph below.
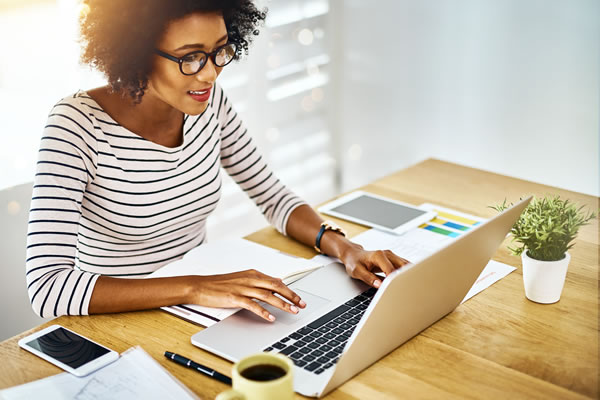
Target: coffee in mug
x=261 y=376
x=263 y=372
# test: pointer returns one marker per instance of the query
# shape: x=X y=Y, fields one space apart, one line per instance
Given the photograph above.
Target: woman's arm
x=119 y=295
x=243 y=161
x=227 y=290
x=66 y=164
x=304 y=225
x=238 y=289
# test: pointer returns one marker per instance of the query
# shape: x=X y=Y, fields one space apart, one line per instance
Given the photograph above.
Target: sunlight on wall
x=39 y=66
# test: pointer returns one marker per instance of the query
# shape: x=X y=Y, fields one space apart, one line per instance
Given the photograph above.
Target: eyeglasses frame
x=212 y=55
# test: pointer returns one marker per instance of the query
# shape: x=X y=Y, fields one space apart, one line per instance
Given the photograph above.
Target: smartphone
x=377 y=212
x=68 y=350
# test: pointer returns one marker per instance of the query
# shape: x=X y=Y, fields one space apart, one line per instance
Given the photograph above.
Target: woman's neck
x=151 y=119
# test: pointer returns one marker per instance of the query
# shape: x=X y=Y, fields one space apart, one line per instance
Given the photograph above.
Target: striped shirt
x=109 y=202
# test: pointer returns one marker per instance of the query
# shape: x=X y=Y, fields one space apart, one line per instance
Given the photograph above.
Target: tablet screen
x=377 y=211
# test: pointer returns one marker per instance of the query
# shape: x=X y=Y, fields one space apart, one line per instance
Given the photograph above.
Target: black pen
x=186 y=362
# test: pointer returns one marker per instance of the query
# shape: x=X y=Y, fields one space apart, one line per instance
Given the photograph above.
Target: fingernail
x=377 y=283
x=302 y=303
x=271 y=317
x=294 y=309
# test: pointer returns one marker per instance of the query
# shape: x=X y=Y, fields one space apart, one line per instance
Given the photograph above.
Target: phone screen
x=377 y=211
x=68 y=347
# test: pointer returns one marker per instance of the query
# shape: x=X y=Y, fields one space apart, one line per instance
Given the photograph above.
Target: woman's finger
x=253 y=306
x=396 y=260
x=382 y=262
x=362 y=273
x=268 y=297
x=276 y=285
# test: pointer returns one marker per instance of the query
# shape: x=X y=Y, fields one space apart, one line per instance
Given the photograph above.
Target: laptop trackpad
x=313 y=303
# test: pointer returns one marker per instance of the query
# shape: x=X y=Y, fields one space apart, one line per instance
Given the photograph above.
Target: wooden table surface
x=496 y=345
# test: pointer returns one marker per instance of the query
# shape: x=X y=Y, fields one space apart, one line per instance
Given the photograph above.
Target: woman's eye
x=190 y=58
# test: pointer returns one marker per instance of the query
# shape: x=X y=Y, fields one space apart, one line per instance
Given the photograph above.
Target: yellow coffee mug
x=261 y=376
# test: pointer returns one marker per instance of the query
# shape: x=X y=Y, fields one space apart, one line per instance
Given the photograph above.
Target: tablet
x=377 y=212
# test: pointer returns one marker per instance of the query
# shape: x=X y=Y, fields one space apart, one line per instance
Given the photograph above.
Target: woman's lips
x=200 y=95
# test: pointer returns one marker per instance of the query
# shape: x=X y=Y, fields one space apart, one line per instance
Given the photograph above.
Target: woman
x=128 y=173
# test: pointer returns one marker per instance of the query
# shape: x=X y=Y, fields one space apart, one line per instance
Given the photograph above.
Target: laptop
x=346 y=325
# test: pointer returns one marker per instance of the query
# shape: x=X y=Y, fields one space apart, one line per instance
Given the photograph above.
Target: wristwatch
x=327 y=226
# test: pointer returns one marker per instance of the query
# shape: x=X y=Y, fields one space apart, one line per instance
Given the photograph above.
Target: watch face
x=333 y=227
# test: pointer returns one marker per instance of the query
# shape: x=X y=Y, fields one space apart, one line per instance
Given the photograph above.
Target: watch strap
x=326 y=226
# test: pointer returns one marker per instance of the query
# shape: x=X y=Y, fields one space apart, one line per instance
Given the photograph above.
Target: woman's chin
x=196 y=109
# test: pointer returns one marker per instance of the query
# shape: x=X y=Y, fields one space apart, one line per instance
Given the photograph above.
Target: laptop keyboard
x=318 y=345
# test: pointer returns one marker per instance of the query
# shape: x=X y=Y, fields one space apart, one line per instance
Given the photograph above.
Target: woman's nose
x=209 y=72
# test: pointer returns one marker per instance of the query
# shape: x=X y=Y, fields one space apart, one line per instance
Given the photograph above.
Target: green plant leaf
x=548 y=227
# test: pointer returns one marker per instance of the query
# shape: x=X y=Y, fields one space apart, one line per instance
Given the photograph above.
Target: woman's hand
x=360 y=263
x=239 y=289
x=304 y=225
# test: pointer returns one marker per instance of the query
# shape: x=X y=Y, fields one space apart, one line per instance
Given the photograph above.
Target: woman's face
x=187 y=93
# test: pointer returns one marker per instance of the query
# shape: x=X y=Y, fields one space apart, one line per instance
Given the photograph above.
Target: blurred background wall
x=509 y=86
x=340 y=92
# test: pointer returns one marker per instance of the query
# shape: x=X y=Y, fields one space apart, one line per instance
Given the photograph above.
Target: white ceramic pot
x=544 y=280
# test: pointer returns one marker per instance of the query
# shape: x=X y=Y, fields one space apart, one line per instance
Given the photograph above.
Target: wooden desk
x=496 y=345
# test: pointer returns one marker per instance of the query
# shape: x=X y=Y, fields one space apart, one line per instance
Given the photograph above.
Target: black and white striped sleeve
x=244 y=163
x=66 y=164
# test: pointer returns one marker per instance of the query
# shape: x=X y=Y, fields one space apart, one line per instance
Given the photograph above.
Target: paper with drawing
x=135 y=375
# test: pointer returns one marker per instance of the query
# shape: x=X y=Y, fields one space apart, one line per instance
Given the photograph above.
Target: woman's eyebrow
x=198 y=45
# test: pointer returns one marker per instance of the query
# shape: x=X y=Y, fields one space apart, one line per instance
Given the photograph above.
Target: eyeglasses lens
x=193 y=63
x=225 y=55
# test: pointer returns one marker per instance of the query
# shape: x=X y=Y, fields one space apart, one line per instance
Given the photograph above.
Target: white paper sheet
x=231 y=256
x=135 y=375
x=419 y=243
x=493 y=272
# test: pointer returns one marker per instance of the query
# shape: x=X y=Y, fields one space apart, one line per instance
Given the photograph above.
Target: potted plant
x=546 y=230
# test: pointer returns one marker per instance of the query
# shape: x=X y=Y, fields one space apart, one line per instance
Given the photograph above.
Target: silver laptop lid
x=416 y=296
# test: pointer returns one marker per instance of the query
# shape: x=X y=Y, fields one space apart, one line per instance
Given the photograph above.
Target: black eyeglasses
x=192 y=63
